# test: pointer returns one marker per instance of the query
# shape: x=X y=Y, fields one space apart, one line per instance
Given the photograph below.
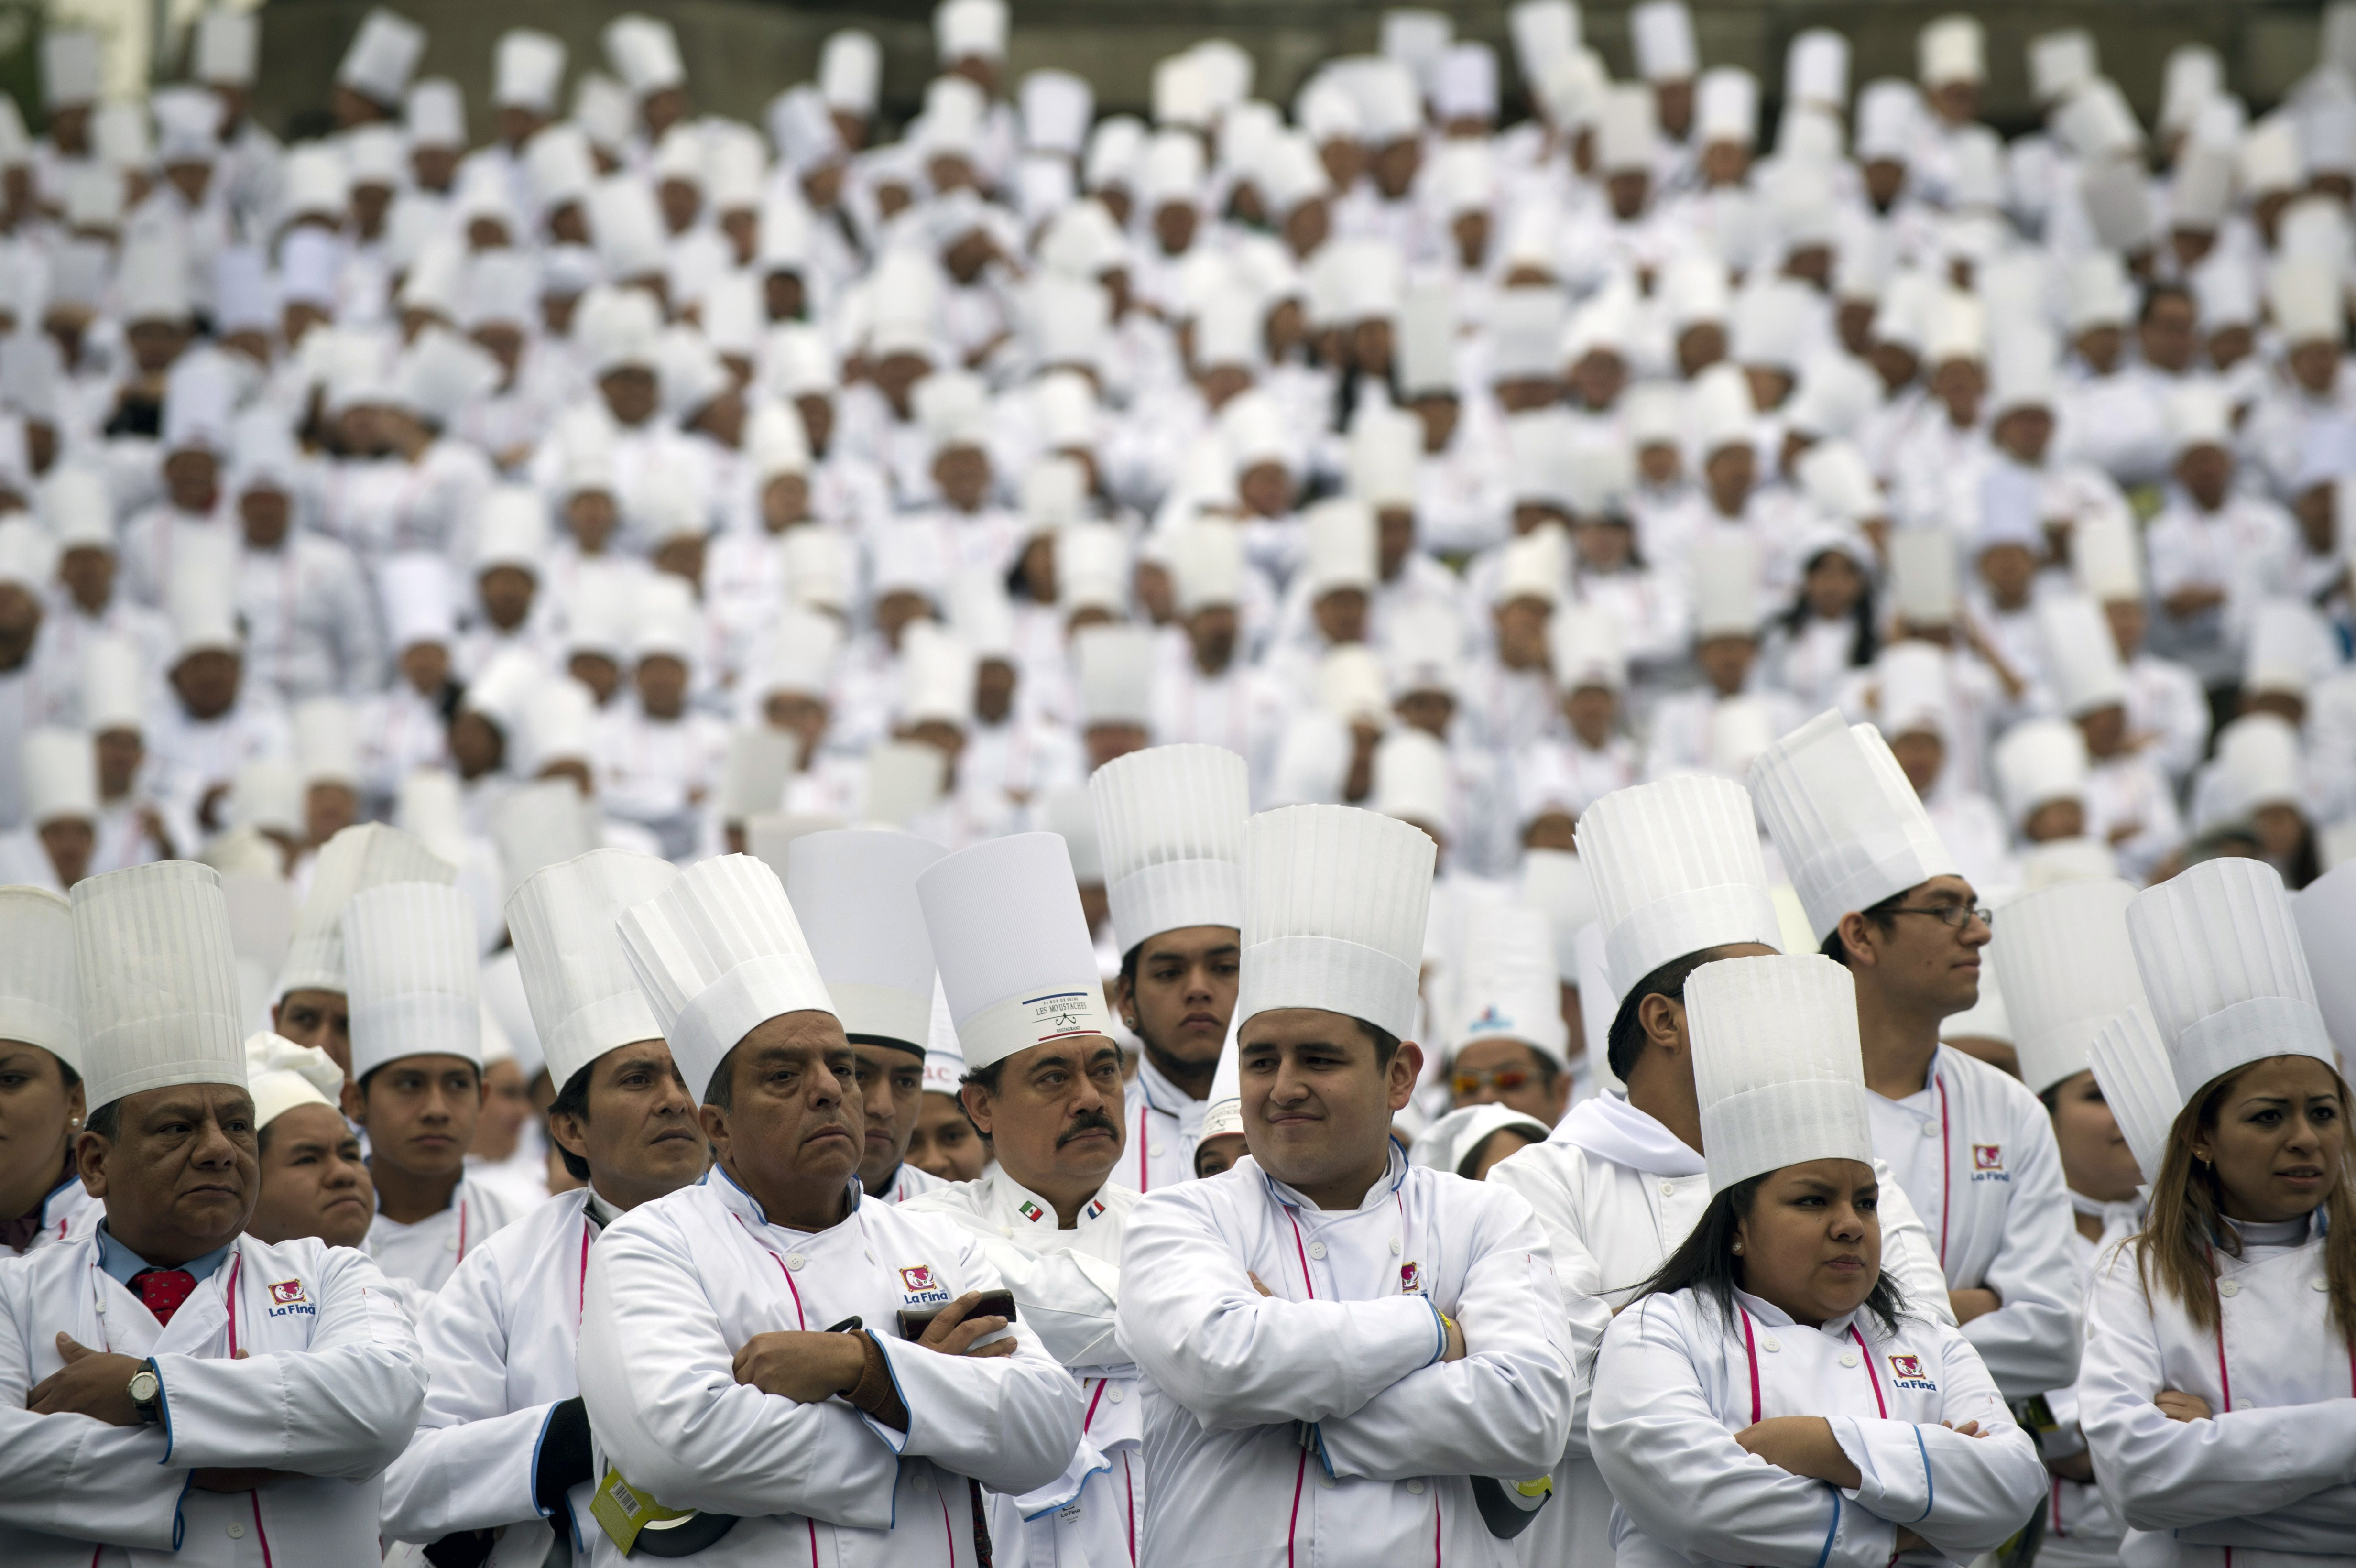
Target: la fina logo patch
x=1907 y=1372
x=288 y=1292
x=1411 y=1279
x=923 y=1286
x=1987 y=1163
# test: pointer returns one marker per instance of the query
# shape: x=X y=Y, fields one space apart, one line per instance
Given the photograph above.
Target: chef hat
x=420 y=604
x=2118 y=202
x=1912 y=682
x=1815 y=68
x=326 y=741
x=113 y=687
x=2059 y=63
x=1069 y=814
x=1663 y=33
x=2139 y=1084
x=857 y=890
x=644 y=52
x=1341 y=547
x=280 y=1075
x=40 y=1001
x=1016 y=963
x=1450 y=1143
x=1724 y=569
x=1835 y=475
x=527 y=71
x=2038 y=761
x=1951 y=49
x=1584 y=644
x=2257 y=763
x=228 y=47
x=719 y=952
x=1890 y=115
x=2271 y=157
x=969 y=27
x=2227 y=978
x=1058 y=107
x=2081 y=658
x=1726 y=105
x=1627 y=131
x=2066 y=969
x=1510 y=987
x=435 y=114
x=1558 y=883
x=383 y=56
x=1850 y=828
x=365 y=856
x=1170 y=826
x=583 y=998
x=1115 y=666
x=753 y=771
x=2108 y=558
x=1206 y=566
x=944 y=1057
x=1676 y=868
x=413 y=974
x=72 y=67
x=1411 y=782
x=158 y=981
x=1777 y=1066
x=850 y=72
x=2326 y=913
x=1719 y=409
x=1545 y=33
x=1335 y=906
x=2304 y=297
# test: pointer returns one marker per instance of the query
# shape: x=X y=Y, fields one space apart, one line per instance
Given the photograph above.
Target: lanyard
x=1946 y=1171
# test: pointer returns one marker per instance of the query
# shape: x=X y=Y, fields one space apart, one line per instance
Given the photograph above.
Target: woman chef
x=1773 y=1400
x=2218 y=1395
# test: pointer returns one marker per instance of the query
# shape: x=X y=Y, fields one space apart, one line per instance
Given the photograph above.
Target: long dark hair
x=1866 y=643
x=1705 y=1264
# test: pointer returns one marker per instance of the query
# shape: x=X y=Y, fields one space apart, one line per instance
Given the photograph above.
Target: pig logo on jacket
x=922 y=1288
x=1907 y=1372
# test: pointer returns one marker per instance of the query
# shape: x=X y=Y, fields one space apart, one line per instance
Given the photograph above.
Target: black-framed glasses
x=1954 y=917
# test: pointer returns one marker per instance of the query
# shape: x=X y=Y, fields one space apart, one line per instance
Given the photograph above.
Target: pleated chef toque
x=583 y=999
x=944 y=1057
x=280 y=1075
x=1170 y=826
x=1777 y=1066
x=1223 y=1112
x=1850 y=828
x=2222 y=963
x=856 y=892
x=1676 y=868
x=157 y=980
x=718 y=954
x=1554 y=881
x=1457 y=1136
x=1335 y=904
x=367 y=856
x=413 y=972
x=2325 y=912
x=40 y=1000
x=2138 y=1084
x=2065 y=969
x=1509 y=989
x=1012 y=946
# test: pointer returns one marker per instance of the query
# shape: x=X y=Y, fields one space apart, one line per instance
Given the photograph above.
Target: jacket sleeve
x=343 y=1408
x=659 y=1381
x=1069 y=1299
x=1682 y=1480
x=2031 y=1342
x=1505 y=1409
x=470 y=1465
x=69 y=1475
x=1237 y=1359
x=2161 y=1474
x=1963 y=1495
x=1579 y=1279
x=1907 y=1253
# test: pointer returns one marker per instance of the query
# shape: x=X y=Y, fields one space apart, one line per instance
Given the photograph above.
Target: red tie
x=163 y=1290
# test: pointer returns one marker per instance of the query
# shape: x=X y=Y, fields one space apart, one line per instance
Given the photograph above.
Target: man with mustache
x=1045 y=1093
x=504 y=1440
x=1169 y=823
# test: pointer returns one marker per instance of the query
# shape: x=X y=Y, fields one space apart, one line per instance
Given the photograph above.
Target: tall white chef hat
x=412 y=970
x=2108 y=557
x=1558 y=881
x=2081 y=655
x=157 y=976
x=1951 y=49
x=527 y=71
x=944 y=1057
x=40 y=1001
x=61 y=773
x=1334 y=905
x=644 y=52
x=1016 y=963
x=227 y=48
x=1777 y=1066
x=719 y=952
x=850 y=70
x=857 y=892
x=2138 y=1084
x=1169 y=823
x=1450 y=1143
x=280 y=1075
x=583 y=999
x=1510 y=987
x=1676 y=868
x=1663 y=33
x=382 y=57
x=2066 y=969
x=2325 y=912
x=975 y=28
x=1223 y=1110
x=2227 y=978
x=368 y=855
x=2038 y=762
x=1850 y=828
x=1116 y=675
x=1724 y=568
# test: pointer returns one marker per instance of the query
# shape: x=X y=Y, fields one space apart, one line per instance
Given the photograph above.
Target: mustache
x=1088 y=1121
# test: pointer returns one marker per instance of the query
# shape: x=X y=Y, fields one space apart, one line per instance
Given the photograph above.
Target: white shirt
x=429 y=1251
x=329 y=1391
x=1349 y=1344
x=68 y=1209
x=1164 y=1124
x=908 y=1182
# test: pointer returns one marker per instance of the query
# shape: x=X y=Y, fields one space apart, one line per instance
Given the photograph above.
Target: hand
x=1967 y=1304
x=1804 y=1445
x=1455 y=1350
x=1257 y=1284
x=1968 y=1429
x=95 y=1383
x=807 y=1367
x=953 y=1333
x=2189 y=602
x=242 y=1478
x=1909 y=1541
x=2078 y=1467
x=2178 y=1405
x=2123 y=832
x=209 y=809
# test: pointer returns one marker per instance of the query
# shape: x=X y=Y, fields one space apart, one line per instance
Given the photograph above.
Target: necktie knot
x=162 y=1289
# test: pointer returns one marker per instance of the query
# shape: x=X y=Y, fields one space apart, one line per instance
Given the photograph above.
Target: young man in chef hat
x=503 y=1441
x=1170 y=826
x=1323 y=1308
x=857 y=890
x=412 y=968
x=1679 y=884
x=41 y=1099
x=313 y=1181
x=1971 y=1147
x=1049 y=1214
x=313 y=1004
x=720 y=1323
x=175 y=1388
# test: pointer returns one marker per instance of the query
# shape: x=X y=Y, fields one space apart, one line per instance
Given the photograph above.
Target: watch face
x=143 y=1387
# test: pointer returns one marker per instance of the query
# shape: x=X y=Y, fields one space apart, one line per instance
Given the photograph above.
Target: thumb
x=72 y=1351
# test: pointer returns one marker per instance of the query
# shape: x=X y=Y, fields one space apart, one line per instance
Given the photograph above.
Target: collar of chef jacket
x=1378 y=1194
x=1165 y=1097
x=734 y=1198
x=1030 y=1221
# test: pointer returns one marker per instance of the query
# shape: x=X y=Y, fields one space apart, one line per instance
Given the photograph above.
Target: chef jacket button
x=1669 y=1189
x=450 y=1245
x=1929 y=1131
x=1006 y=1231
x=924 y=1479
x=1114 y=1395
x=2318 y=1283
x=795 y=1260
x=1771 y=1343
x=1849 y=1357
x=102 y=1305
x=1317 y=1250
x=237 y=1532
x=1395 y=1246
x=1415 y=1487
x=1324 y=1480
x=2229 y=1287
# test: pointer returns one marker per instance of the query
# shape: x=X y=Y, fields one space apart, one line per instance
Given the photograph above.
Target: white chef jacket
x=329 y=1388
x=310 y=619
x=908 y=1182
x=67 y=1210
x=1164 y=1124
x=1677 y=1381
x=429 y=1251
x=677 y=1285
x=2269 y=1479
x=2081 y=1531
x=498 y=1341
x=1349 y=1346
x=1617 y=1192
x=1975 y=1152
x=1067 y=1285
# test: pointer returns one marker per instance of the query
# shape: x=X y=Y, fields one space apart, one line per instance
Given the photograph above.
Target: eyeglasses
x=1954 y=917
x=1505 y=1081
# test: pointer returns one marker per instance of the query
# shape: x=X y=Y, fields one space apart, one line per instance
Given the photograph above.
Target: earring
x=1738 y=1249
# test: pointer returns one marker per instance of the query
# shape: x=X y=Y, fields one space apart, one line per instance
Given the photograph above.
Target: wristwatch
x=144 y=1391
